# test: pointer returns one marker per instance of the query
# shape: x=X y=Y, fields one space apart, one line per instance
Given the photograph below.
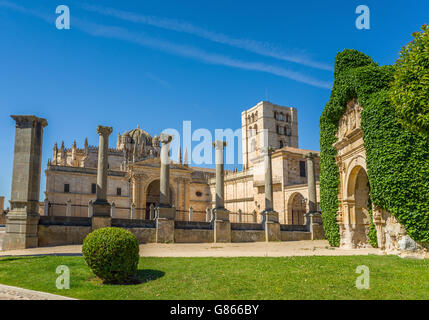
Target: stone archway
x=358 y=221
x=296 y=209
x=152 y=195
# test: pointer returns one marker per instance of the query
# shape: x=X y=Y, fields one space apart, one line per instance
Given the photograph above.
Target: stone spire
x=55 y=153
x=185 y=162
x=74 y=147
x=179 y=156
x=86 y=146
x=63 y=155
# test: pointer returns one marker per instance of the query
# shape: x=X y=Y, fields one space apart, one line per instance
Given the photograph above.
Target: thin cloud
x=113 y=32
x=257 y=47
x=193 y=52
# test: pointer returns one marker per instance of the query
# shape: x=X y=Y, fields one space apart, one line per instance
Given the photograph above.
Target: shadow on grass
x=12 y=258
x=147 y=275
x=142 y=276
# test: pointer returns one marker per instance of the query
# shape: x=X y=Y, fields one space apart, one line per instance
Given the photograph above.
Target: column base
x=221 y=214
x=21 y=230
x=101 y=222
x=101 y=209
x=222 y=231
x=315 y=225
x=271 y=225
x=221 y=225
x=164 y=230
x=165 y=213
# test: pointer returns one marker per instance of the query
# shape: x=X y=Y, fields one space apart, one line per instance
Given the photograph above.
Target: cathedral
x=134 y=169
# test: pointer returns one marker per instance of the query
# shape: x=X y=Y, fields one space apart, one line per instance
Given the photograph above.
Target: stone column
x=270 y=218
x=313 y=218
x=101 y=215
x=311 y=183
x=165 y=213
x=23 y=219
x=222 y=225
x=46 y=207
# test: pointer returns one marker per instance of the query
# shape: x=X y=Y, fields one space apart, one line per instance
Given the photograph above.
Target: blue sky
x=157 y=63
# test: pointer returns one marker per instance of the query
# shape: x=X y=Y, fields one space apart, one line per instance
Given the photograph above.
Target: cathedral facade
x=134 y=169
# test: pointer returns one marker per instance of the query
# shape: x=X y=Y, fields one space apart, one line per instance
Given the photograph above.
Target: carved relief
x=350 y=120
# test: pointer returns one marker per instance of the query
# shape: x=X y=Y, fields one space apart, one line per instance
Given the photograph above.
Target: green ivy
x=397 y=159
x=410 y=88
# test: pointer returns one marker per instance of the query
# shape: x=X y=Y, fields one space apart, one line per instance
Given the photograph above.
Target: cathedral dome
x=138 y=135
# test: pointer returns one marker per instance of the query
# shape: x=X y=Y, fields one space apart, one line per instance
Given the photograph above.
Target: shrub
x=410 y=88
x=112 y=254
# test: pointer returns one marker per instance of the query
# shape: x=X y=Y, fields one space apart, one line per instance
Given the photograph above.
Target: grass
x=314 y=277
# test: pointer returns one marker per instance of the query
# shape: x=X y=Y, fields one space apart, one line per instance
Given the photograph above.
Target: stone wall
x=73 y=230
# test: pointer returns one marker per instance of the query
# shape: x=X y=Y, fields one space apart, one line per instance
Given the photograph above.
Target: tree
x=410 y=88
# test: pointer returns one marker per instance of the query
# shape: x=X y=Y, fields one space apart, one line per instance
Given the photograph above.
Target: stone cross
x=191 y=214
x=151 y=211
x=220 y=193
x=112 y=209
x=90 y=208
x=164 y=196
x=133 y=210
x=208 y=214
x=240 y=213
x=311 y=182
x=103 y=150
x=268 y=179
x=68 y=208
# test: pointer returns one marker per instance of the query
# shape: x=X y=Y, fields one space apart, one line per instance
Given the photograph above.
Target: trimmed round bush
x=112 y=254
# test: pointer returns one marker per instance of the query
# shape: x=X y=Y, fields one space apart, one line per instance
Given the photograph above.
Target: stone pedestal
x=101 y=222
x=165 y=224
x=221 y=226
x=315 y=225
x=271 y=226
x=21 y=230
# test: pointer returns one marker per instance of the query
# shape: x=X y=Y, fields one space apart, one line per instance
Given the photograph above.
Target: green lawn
x=231 y=278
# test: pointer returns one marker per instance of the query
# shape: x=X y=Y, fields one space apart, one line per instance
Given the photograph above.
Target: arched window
x=281 y=116
x=253 y=145
x=275 y=115
x=281 y=144
x=287 y=118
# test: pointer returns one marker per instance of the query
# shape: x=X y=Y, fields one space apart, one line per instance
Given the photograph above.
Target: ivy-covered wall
x=397 y=159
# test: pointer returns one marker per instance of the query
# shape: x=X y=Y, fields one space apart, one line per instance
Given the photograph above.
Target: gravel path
x=250 y=249
x=15 y=293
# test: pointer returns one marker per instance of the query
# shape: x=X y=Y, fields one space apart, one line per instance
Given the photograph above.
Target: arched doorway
x=296 y=209
x=152 y=196
x=358 y=222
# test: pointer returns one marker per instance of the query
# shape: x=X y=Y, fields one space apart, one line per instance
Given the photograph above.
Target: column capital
x=267 y=150
x=165 y=138
x=219 y=144
x=104 y=131
x=311 y=155
x=23 y=121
